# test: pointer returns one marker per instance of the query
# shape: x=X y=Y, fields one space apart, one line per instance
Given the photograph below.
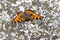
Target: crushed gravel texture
x=46 y=29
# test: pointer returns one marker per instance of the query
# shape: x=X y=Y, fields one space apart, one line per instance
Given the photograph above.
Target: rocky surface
x=46 y=29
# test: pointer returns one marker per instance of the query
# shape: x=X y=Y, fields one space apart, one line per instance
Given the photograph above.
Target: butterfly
x=27 y=15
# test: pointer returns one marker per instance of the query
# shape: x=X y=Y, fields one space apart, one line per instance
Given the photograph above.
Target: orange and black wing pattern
x=19 y=17
x=32 y=15
x=27 y=15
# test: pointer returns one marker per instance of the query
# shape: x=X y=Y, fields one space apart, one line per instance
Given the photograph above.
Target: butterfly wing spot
x=19 y=20
x=35 y=16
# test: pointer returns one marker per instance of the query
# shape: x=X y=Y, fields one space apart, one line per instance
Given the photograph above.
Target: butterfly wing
x=19 y=17
x=33 y=15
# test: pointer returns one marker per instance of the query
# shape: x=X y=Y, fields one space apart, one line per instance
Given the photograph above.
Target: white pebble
x=50 y=4
x=15 y=39
x=21 y=30
x=42 y=0
x=21 y=8
x=26 y=32
x=31 y=25
x=4 y=27
x=5 y=16
x=50 y=24
x=0 y=6
x=13 y=34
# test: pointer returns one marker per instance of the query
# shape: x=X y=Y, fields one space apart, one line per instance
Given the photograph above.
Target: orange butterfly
x=26 y=16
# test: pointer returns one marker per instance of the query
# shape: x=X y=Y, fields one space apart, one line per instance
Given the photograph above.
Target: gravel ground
x=46 y=29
